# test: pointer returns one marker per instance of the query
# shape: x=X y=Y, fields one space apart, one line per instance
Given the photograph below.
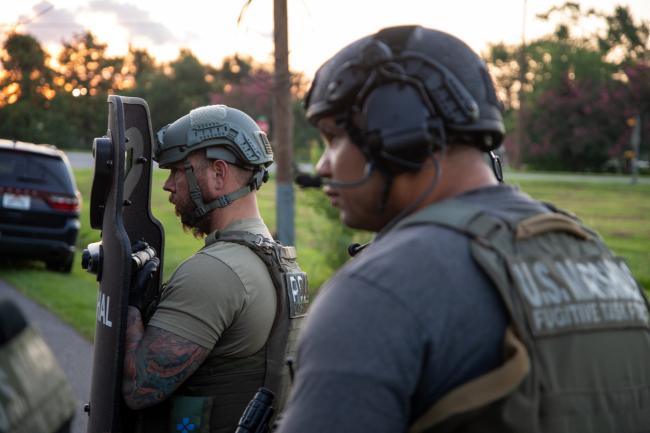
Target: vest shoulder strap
x=259 y=244
x=292 y=289
x=454 y=214
x=484 y=389
x=474 y=222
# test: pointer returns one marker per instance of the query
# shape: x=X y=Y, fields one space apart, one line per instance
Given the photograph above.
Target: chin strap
x=388 y=184
x=496 y=166
x=260 y=175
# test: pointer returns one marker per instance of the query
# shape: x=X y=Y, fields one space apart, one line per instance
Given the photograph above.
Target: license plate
x=16 y=201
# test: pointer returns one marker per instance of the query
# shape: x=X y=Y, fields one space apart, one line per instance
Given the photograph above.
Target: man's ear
x=219 y=172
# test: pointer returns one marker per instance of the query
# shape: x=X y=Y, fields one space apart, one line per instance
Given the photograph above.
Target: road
x=80 y=159
x=72 y=351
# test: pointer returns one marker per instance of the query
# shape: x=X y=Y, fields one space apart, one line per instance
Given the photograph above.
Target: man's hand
x=140 y=281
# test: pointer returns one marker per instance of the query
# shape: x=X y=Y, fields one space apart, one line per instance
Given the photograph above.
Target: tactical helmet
x=406 y=91
x=227 y=133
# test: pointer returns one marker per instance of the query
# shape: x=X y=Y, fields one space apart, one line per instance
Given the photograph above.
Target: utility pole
x=522 y=79
x=283 y=127
x=635 y=144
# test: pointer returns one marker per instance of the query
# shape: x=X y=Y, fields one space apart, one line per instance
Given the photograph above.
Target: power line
x=27 y=20
x=47 y=9
x=76 y=24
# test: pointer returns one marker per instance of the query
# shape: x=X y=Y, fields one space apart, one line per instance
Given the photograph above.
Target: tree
x=171 y=90
x=251 y=93
x=577 y=89
x=25 y=71
x=140 y=64
x=625 y=41
x=577 y=125
x=308 y=143
x=25 y=89
x=86 y=76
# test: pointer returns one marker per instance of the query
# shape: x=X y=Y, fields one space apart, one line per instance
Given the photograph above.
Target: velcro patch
x=296 y=284
x=568 y=294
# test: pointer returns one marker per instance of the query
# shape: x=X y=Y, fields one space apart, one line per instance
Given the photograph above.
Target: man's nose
x=323 y=165
x=168 y=185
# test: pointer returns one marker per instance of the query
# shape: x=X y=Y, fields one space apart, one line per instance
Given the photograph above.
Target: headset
x=398 y=105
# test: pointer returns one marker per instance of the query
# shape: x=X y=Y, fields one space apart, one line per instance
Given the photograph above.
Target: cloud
x=50 y=24
x=137 y=22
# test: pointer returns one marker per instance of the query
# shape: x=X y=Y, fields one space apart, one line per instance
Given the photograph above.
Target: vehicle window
x=28 y=170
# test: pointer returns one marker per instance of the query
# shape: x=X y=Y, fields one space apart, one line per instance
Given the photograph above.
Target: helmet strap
x=496 y=166
x=410 y=208
x=388 y=184
x=260 y=175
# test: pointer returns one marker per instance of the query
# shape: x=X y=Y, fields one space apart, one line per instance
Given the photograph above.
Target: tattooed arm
x=156 y=362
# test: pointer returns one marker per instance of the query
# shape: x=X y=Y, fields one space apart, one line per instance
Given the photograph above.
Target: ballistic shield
x=120 y=208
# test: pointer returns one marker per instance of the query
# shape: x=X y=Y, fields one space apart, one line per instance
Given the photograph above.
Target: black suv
x=39 y=204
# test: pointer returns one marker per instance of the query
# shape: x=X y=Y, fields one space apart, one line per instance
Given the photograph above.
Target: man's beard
x=200 y=228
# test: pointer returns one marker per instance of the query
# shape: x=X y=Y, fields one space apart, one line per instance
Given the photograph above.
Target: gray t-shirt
x=403 y=323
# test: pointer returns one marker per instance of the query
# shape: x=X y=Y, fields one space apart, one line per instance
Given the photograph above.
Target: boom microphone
x=315 y=181
x=305 y=180
x=356 y=248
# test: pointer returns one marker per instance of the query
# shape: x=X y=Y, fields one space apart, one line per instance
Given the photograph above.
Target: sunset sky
x=317 y=28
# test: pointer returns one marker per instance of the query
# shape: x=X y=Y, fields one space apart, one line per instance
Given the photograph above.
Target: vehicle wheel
x=63 y=265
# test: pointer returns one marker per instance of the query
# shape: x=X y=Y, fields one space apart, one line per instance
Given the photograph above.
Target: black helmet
x=406 y=91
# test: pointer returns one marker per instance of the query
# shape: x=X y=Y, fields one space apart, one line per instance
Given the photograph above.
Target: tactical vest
x=577 y=351
x=213 y=399
x=35 y=395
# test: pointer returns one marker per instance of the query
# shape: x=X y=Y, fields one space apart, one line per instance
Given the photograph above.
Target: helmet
x=227 y=133
x=406 y=91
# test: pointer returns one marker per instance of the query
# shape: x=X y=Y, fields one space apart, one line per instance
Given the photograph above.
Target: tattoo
x=156 y=362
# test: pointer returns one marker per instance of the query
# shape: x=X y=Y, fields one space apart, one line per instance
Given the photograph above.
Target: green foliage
x=578 y=92
x=172 y=91
x=587 y=119
x=251 y=92
x=23 y=54
x=619 y=212
x=306 y=138
x=235 y=69
x=67 y=106
x=25 y=86
x=25 y=62
x=333 y=237
x=626 y=36
x=86 y=77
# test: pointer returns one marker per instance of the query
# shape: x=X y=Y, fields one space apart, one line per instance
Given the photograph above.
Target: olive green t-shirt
x=221 y=298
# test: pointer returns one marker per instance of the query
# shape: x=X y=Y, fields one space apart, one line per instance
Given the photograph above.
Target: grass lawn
x=619 y=212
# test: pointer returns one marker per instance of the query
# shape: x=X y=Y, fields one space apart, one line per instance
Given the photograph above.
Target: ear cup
x=396 y=123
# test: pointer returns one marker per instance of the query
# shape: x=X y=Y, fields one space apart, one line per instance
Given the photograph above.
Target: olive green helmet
x=227 y=133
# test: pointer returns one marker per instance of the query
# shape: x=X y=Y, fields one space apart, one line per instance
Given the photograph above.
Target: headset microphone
x=314 y=181
x=305 y=180
x=356 y=248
